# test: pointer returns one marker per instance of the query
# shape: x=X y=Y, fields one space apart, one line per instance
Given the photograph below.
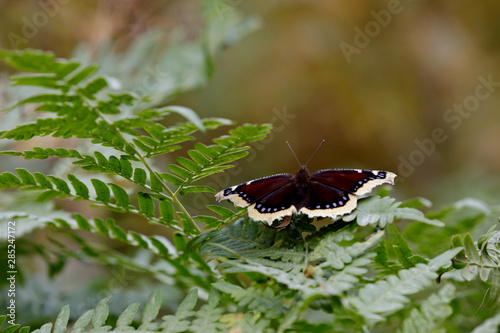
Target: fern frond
x=208 y=160
x=253 y=299
x=207 y=318
x=156 y=244
x=431 y=313
x=57 y=187
x=376 y=300
x=177 y=322
x=382 y=211
x=488 y=326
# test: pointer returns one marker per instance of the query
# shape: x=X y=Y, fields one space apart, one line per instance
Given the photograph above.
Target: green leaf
x=82 y=75
x=46 y=81
x=82 y=222
x=166 y=210
x=172 y=179
x=187 y=113
x=100 y=314
x=178 y=323
x=47 y=195
x=471 y=250
x=208 y=316
x=152 y=306
x=42 y=180
x=62 y=320
x=376 y=300
x=210 y=220
x=83 y=321
x=26 y=177
x=431 y=313
x=402 y=250
x=80 y=188
x=60 y=184
x=126 y=169
x=384 y=211
x=121 y=196
x=140 y=176
x=222 y=211
x=196 y=189
x=184 y=173
x=127 y=316
x=188 y=164
x=198 y=157
x=102 y=190
x=156 y=184
x=146 y=205
x=93 y=87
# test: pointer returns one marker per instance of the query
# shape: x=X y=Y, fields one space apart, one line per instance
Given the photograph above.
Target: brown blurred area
x=407 y=86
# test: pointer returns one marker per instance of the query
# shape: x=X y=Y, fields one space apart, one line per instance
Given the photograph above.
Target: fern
x=383 y=297
x=431 y=313
x=384 y=211
x=79 y=115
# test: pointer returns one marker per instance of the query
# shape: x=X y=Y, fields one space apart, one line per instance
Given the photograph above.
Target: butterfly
x=324 y=193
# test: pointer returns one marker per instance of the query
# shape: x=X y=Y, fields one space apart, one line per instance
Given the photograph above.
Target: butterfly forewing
x=247 y=193
x=355 y=181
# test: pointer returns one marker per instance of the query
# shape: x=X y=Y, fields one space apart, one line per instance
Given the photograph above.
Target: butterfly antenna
x=310 y=158
x=293 y=153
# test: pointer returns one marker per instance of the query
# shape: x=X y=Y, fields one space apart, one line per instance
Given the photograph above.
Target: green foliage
x=357 y=273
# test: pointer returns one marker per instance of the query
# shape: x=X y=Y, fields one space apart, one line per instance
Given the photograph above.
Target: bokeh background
x=372 y=78
x=411 y=87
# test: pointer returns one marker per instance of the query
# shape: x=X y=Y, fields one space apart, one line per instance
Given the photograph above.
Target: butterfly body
x=324 y=193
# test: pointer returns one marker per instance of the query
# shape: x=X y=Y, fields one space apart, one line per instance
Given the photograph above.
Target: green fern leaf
x=166 y=209
x=208 y=316
x=80 y=188
x=82 y=75
x=383 y=297
x=383 y=211
x=196 y=189
x=488 y=326
x=102 y=190
x=100 y=314
x=253 y=299
x=121 y=196
x=146 y=205
x=172 y=179
x=402 y=250
x=93 y=87
x=433 y=311
x=62 y=320
x=127 y=317
x=151 y=310
x=178 y=323
x=60 y=184
x=140 y=176
x=222 y=211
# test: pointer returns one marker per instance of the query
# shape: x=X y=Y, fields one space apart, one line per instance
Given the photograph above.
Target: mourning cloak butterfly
x=324 y=193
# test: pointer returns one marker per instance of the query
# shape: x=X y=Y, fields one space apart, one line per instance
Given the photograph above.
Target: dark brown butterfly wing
x=355 y=181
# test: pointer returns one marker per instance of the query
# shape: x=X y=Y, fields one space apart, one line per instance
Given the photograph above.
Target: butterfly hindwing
x=275 y=205
x=327 y=201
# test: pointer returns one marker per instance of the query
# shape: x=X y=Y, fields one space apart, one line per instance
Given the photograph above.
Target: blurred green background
x=375 y=79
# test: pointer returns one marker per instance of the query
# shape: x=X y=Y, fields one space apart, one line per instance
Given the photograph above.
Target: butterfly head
x=302 y=176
